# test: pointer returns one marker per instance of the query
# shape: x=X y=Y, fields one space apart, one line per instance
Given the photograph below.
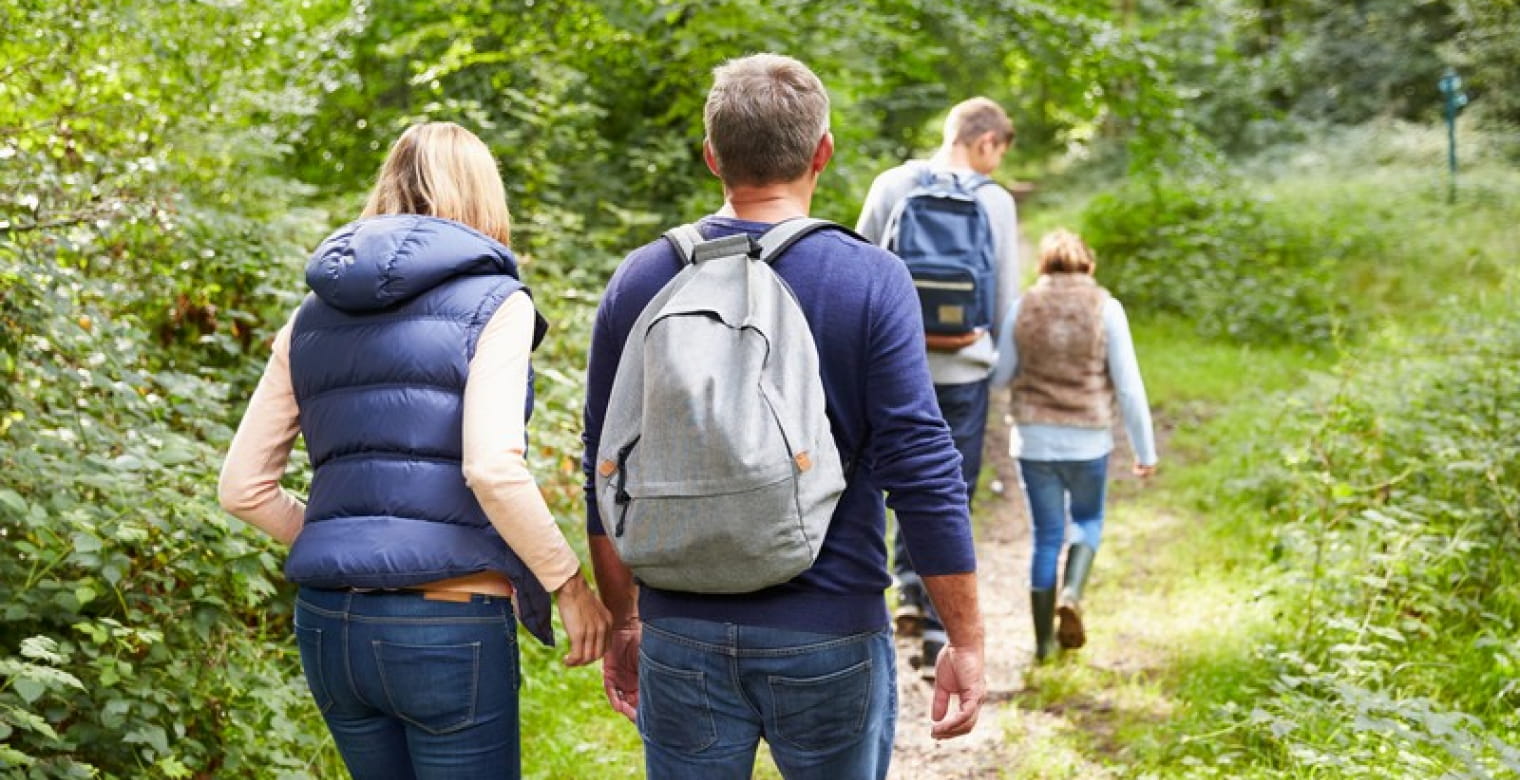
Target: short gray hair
x=764 y=118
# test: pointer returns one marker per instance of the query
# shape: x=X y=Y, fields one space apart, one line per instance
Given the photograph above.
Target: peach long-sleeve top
x=494 y=442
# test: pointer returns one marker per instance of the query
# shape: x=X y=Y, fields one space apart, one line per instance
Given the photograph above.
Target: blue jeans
x=414 y=688
x=709 y=692
x=1053 y=486
x=964 y=408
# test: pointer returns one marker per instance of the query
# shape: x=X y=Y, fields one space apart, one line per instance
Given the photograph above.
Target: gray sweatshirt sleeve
x=876 y=210
x=1003 y=215
x=1124 y=368
x=1007 y=348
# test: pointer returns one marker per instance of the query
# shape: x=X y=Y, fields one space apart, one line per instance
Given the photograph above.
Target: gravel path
x=1002 y=533
x=1009 y=727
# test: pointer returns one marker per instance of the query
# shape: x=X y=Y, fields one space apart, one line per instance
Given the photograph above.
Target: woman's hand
x=586 y=621
x=1144 y=472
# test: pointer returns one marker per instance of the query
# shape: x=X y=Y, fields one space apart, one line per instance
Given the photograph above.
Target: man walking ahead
x=807 y=664
x=958 y=232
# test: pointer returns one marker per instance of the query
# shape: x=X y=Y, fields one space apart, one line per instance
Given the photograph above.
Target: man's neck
x=953 y=157
x=769 y=203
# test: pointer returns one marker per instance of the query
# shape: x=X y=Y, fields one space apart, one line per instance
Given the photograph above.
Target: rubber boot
x=1072 y=634
x=1042 y=606
x=935 y=640
x=909 y=619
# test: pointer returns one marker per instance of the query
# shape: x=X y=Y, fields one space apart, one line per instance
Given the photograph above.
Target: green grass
x=1188 y=609
x=569 y=731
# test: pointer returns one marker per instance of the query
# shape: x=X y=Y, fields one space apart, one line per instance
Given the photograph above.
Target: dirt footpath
x=1002 y=534
x=1009 y=726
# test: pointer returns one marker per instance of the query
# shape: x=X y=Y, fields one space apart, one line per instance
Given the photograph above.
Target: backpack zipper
x=621 y=498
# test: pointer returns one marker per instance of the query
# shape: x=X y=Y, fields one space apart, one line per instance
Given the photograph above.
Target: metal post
x=1451 y=156
x=1451 y=88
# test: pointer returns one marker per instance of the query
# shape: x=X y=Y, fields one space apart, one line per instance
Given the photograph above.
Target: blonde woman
x=425 y=538
x=1067 y=349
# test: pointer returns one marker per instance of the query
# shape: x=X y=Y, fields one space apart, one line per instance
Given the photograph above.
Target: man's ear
x=711 y=157
x=823 y=153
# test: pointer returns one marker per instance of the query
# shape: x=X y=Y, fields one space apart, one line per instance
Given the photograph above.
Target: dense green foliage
x=164 y=167
x=1395 y=487
x=139 y=634
x=1263 y=71
x=1217 y=254
x=1372 y=513
x=1303 y=243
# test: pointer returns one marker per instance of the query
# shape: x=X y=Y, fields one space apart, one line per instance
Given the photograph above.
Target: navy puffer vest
x=379 y=356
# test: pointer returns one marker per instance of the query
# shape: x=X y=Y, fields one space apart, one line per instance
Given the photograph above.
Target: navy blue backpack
x=944 y=235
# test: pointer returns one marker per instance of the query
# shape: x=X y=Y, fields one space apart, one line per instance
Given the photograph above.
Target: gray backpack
x=717 y=470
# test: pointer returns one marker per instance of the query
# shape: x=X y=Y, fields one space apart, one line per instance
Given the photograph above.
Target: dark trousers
x=965 y=410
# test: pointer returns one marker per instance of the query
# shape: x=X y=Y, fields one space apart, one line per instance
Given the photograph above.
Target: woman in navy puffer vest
x=407 y=372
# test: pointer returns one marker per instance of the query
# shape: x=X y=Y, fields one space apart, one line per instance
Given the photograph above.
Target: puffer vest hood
x=1063 y=354
x=379 y=357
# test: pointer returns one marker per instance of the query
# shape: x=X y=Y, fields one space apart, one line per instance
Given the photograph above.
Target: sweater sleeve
x=1007 y=348
x=1124 y=368
x=1003 y=215
x=913 y=459
x=601 y=368
x=249 y=486
x=495 y=440
x=875 y=212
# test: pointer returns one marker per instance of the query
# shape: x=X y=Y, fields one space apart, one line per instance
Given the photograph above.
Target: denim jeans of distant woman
x=825 y=704
x=1053 y=487
x=412 y=687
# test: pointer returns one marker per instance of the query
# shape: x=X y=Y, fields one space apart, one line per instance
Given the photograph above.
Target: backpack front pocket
x=951 y=303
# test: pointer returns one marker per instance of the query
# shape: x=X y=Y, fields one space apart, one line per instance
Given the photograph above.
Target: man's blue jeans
x=414 y=688
x=1052 y=487
x=826 y=704
x=965 y=410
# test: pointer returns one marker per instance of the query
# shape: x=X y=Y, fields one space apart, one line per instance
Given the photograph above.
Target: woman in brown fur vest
x=1067 y=350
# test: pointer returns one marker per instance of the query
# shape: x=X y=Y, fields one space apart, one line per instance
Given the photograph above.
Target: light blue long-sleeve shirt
x=1065 y=442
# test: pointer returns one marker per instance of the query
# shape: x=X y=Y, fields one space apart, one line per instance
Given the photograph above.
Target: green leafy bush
x=1216 y=253
x=1397 y=504
x=141 y=633
x=142 y=208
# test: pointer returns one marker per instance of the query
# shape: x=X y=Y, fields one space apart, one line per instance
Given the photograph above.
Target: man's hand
x=1143 y=472
x=586 y=621
x=958 y=673
x=620 y=665
x=620 y=669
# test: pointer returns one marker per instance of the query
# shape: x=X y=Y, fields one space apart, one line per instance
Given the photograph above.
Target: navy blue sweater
x=864 y=315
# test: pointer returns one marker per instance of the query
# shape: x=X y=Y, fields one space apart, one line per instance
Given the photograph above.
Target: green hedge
x=1218 y=253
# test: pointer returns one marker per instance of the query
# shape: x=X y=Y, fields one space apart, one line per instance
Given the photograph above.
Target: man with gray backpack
x=956 y=230
x=757 y=382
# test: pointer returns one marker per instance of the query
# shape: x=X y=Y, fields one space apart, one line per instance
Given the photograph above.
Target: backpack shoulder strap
x=978 y=181
x=684 y=239
x=781 y=236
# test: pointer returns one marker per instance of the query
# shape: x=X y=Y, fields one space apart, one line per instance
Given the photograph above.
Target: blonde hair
x=974 y=118
x=764 y=118
x=1064 y=252
x=440 y=169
